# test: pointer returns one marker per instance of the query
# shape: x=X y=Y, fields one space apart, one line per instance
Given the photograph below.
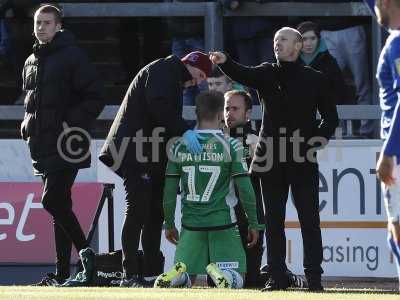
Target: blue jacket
x=388 y=75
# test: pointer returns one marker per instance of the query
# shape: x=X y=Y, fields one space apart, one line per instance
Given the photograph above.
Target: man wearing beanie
x=135 y=149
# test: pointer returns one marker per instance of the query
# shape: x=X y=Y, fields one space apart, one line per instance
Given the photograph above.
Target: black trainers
x=314 y=283
x=148 y=283
x=275 y=285
x=315 y=287
x=133 y=282
x=50 y=279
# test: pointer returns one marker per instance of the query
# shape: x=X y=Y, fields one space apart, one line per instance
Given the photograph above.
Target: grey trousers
x=349 y=48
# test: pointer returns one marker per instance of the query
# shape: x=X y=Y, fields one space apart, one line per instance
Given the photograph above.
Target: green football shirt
x=207 y=191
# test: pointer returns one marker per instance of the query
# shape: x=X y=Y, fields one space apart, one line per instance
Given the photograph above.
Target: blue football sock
x=396 y=252
x=395 y=248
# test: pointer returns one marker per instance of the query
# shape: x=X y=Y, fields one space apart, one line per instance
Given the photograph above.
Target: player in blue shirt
x=388 y=75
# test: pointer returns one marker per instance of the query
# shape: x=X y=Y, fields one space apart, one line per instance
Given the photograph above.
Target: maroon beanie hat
x=198 y=60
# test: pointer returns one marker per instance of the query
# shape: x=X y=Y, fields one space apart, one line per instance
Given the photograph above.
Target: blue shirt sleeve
x=391 y=146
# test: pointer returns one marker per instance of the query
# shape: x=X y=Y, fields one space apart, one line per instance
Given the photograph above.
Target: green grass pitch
x=53 y=293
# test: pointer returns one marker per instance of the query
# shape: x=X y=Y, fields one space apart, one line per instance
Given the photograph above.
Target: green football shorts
x=199 y=248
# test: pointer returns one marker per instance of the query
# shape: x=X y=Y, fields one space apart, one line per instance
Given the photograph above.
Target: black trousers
x=143 y=219
x=254 y=254
x=306 y=201
x=56 y=200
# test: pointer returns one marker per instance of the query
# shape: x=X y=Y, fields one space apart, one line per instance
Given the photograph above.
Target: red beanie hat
x=198 y=60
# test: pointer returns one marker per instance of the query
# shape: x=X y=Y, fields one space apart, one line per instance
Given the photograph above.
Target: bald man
x=286 y=153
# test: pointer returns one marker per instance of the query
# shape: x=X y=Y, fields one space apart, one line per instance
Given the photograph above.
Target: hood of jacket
x=321 y=49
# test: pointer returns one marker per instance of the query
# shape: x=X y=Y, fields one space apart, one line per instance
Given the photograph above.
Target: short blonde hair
x=295 y=32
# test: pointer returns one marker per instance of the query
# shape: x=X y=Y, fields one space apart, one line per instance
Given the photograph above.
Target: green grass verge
x=47 y=293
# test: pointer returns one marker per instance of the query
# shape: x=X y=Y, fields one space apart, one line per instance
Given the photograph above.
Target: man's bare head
x=287 y=44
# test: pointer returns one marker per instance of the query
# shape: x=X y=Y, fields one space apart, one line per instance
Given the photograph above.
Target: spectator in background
x=20 y=35
x=4 y=34
x=346 y=40
x=5 y=46
x=316 y=55
x=62 y=91
x=219 y=82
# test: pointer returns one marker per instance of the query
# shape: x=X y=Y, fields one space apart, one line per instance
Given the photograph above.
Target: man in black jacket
x=286 y=153
x=149 y=116
x=63 y=96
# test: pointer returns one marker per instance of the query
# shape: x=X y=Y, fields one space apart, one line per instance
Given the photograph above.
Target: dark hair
x=309 y=26
x=248 y=103
x=208 y=105
x=50 y=9
x=216 y=72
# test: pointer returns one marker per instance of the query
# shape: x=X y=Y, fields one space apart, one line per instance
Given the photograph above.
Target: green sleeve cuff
x=169 y=225
x=257 y=226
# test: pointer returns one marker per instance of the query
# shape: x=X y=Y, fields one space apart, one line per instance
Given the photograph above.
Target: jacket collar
x=63 y=38
x=288 y=65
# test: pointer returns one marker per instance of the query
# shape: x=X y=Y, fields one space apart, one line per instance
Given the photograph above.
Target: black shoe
x=266 y=269
x=275 y=285
x=148 y=283
x=50 y=279
x=315 y=287
x=314 y=283
x=133 y=282
x=294 y=281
